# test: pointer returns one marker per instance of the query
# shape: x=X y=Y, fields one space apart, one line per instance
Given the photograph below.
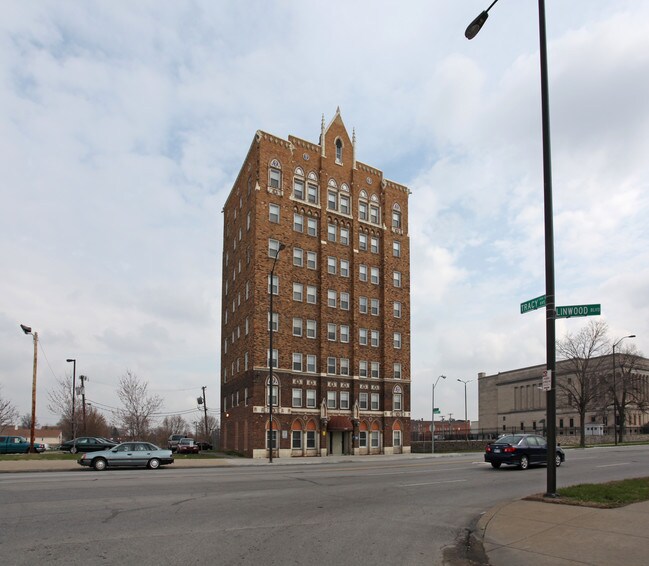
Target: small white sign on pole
x=547 y=380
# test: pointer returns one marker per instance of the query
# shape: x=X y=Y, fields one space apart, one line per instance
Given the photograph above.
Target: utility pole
x=83 y=379
x=207 y=432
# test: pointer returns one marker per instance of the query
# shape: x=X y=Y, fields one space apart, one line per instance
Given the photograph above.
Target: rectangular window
x=245 y=361
x=396 y=367
x=362 y=401
x=310 y=364
x=362 y=242
x=375 y=338
x=374 y=370
x=396 y=278
x=296 y=439
x=298 y=188
x=298 y=222
x=331 y=365
x=331 y=232
x=311 y=260
x=374 y=275
x=273 y=247
x=311 y=328
x=362 y=336
x=297 y=361
x=344 y=301
x=344 y=268
x=275 y=176
x=396 y=402
x=344 y=204
x=362 y=272
x=310 y=398
x=331 y=399
x=331 y=332
x=374 y=439
x=396 y=437
x=374 y=307
x=374 y=214
x=374 y=245
x=332 y=265
x=362 y=439
x=310 y=439
x=344 y=399
x=344 y=366
x=362 y=211
x=298 y=292
x=396 y=248
x=275 y=357
x=297 y=398
x=331 y=298
x=397 y=309
x=312 y=193
x=297 y=327
x=311 y=294
x=273 y=286
x=362 y=368
x=271 y=439
x=312 y=226
x=362 y=305
x=374 y=402
x=344 y=236
x=397 y=340
x=273 y=213
x=332 y=200
x=275 y=322
x=396 y=219
x=298 y=257
x=344 y=333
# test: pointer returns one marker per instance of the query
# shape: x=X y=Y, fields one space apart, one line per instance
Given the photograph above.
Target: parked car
x=18 y=445
x=187 y=446
x=204 y=445
x=172 y=443
x=520 y=450
x=87 y=444
x=128 y=455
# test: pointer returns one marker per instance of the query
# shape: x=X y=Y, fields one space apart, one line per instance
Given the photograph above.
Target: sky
x=124 y=125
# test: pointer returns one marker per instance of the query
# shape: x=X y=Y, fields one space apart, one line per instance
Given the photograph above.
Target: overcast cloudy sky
x=124 y=125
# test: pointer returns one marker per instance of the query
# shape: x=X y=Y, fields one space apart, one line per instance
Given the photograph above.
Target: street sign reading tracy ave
x=579 y=310
x=533 y=304
x=436 y=411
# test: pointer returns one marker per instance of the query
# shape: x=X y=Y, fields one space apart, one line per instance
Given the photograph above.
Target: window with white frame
x=311 y=364
x=312 y=193
x=310 y=439
x=396 y=216
x=374 y=214
x=331 y=365
x=273 y=321
x=375 y=338
x=247 y=290
x=271 y=440
x=298 y=222
x=273 y=286
x=344 y=236
x=298 y=188
x=248 y=221
x=344 y=399
x=297 y=327
x=312 y=226
x=247 y=326
x=362 y=210
x=275 y=357
x=362 y=439
x=396 y=248
x=397 y=340
x=374 y=402
x=374 y=245
x=273 y=213
x=311 y=260
x=297 y=361
x=374 y=439
x=362 y=242
x=396 y=438
x=332 y=265
x=331 y=298
x=344 y=301
x=362 y=272
x=311 y=398
x=345 y=206
x=397 y=309
x=275 y=174
x=374 y=275
x=331 y=399
x=332 y=199
x=296 y=440
x=298 y=257
x=396 y=368
x=245 y=361
x=362 y=305
x=344 y=366
x=344 y=333
x=374 y=370
x=297 y=397
x=374 y=307
x=311 y=328
x=331 y=332
x=298 y=292
x=362 y=401
x=339 y=151
x=331 y=232
x=362 y=336
x=396 y=399
x=362 y=368
x=311 y=294
x=396 y=278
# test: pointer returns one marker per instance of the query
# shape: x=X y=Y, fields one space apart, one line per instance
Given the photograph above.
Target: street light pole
x=32 y=428
x=615 y=389
x=550 y=313
x=83 y=379
x=270 y=358
x=466 y=431
x=74 y=394
x=432 y=424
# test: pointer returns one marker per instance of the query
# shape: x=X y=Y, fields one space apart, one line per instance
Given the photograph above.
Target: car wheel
x=557 y=460
x=495 y=464
x=154 y=463
x=525 y=463
x=73 y=450
x=99 y=464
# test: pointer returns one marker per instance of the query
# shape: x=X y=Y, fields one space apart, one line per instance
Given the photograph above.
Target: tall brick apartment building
x=341 y=302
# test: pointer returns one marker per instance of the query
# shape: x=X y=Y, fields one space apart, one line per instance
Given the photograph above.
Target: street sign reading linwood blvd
x=579 y=310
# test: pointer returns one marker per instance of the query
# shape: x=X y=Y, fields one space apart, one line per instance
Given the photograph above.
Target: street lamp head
x=631 y=336
x=281 y=247
x=26 y=329
x=70 y=360
x=443 y=376
x=476 y=25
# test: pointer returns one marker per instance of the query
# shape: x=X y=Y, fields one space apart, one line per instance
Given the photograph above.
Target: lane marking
x=430 y=483
x=613 y=465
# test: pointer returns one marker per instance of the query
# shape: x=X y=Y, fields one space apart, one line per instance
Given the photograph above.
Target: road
x=415 y=510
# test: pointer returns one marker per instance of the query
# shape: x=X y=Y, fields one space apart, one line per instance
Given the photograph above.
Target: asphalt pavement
x=520 y=532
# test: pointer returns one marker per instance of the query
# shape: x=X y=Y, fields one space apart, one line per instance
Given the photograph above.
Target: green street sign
x=579 y=310
x=533 y=304
x=436 y=411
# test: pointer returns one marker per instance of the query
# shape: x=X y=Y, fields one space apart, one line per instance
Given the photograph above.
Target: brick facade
x=325 y=207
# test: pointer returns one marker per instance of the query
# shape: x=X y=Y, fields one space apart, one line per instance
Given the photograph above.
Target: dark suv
x=172 y=443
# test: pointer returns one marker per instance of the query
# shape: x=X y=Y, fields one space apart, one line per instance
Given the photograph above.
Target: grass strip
x=606 y=495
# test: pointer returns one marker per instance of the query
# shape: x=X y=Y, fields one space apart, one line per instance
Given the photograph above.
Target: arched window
x=312 y=188
x=332 y=195
x=275 y=392
x=345 y=206
x=397 y=397
x=339 y=151
x=275 y=174
x=375 y=210
x=363 y=206
x=396 y=216
x=298 y=184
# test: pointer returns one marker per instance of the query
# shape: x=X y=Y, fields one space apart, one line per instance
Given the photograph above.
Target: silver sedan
x=128 y=455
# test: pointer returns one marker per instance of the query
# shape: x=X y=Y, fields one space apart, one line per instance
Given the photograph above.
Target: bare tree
x=628 y=389
x=26 y=421
x=138 y=406
x=584 y=385
x=211 y=426
x=8 y=413
x=60 y=403
x=171 y=424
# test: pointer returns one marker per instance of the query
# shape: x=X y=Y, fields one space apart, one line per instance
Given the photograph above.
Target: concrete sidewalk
x=535 y=533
